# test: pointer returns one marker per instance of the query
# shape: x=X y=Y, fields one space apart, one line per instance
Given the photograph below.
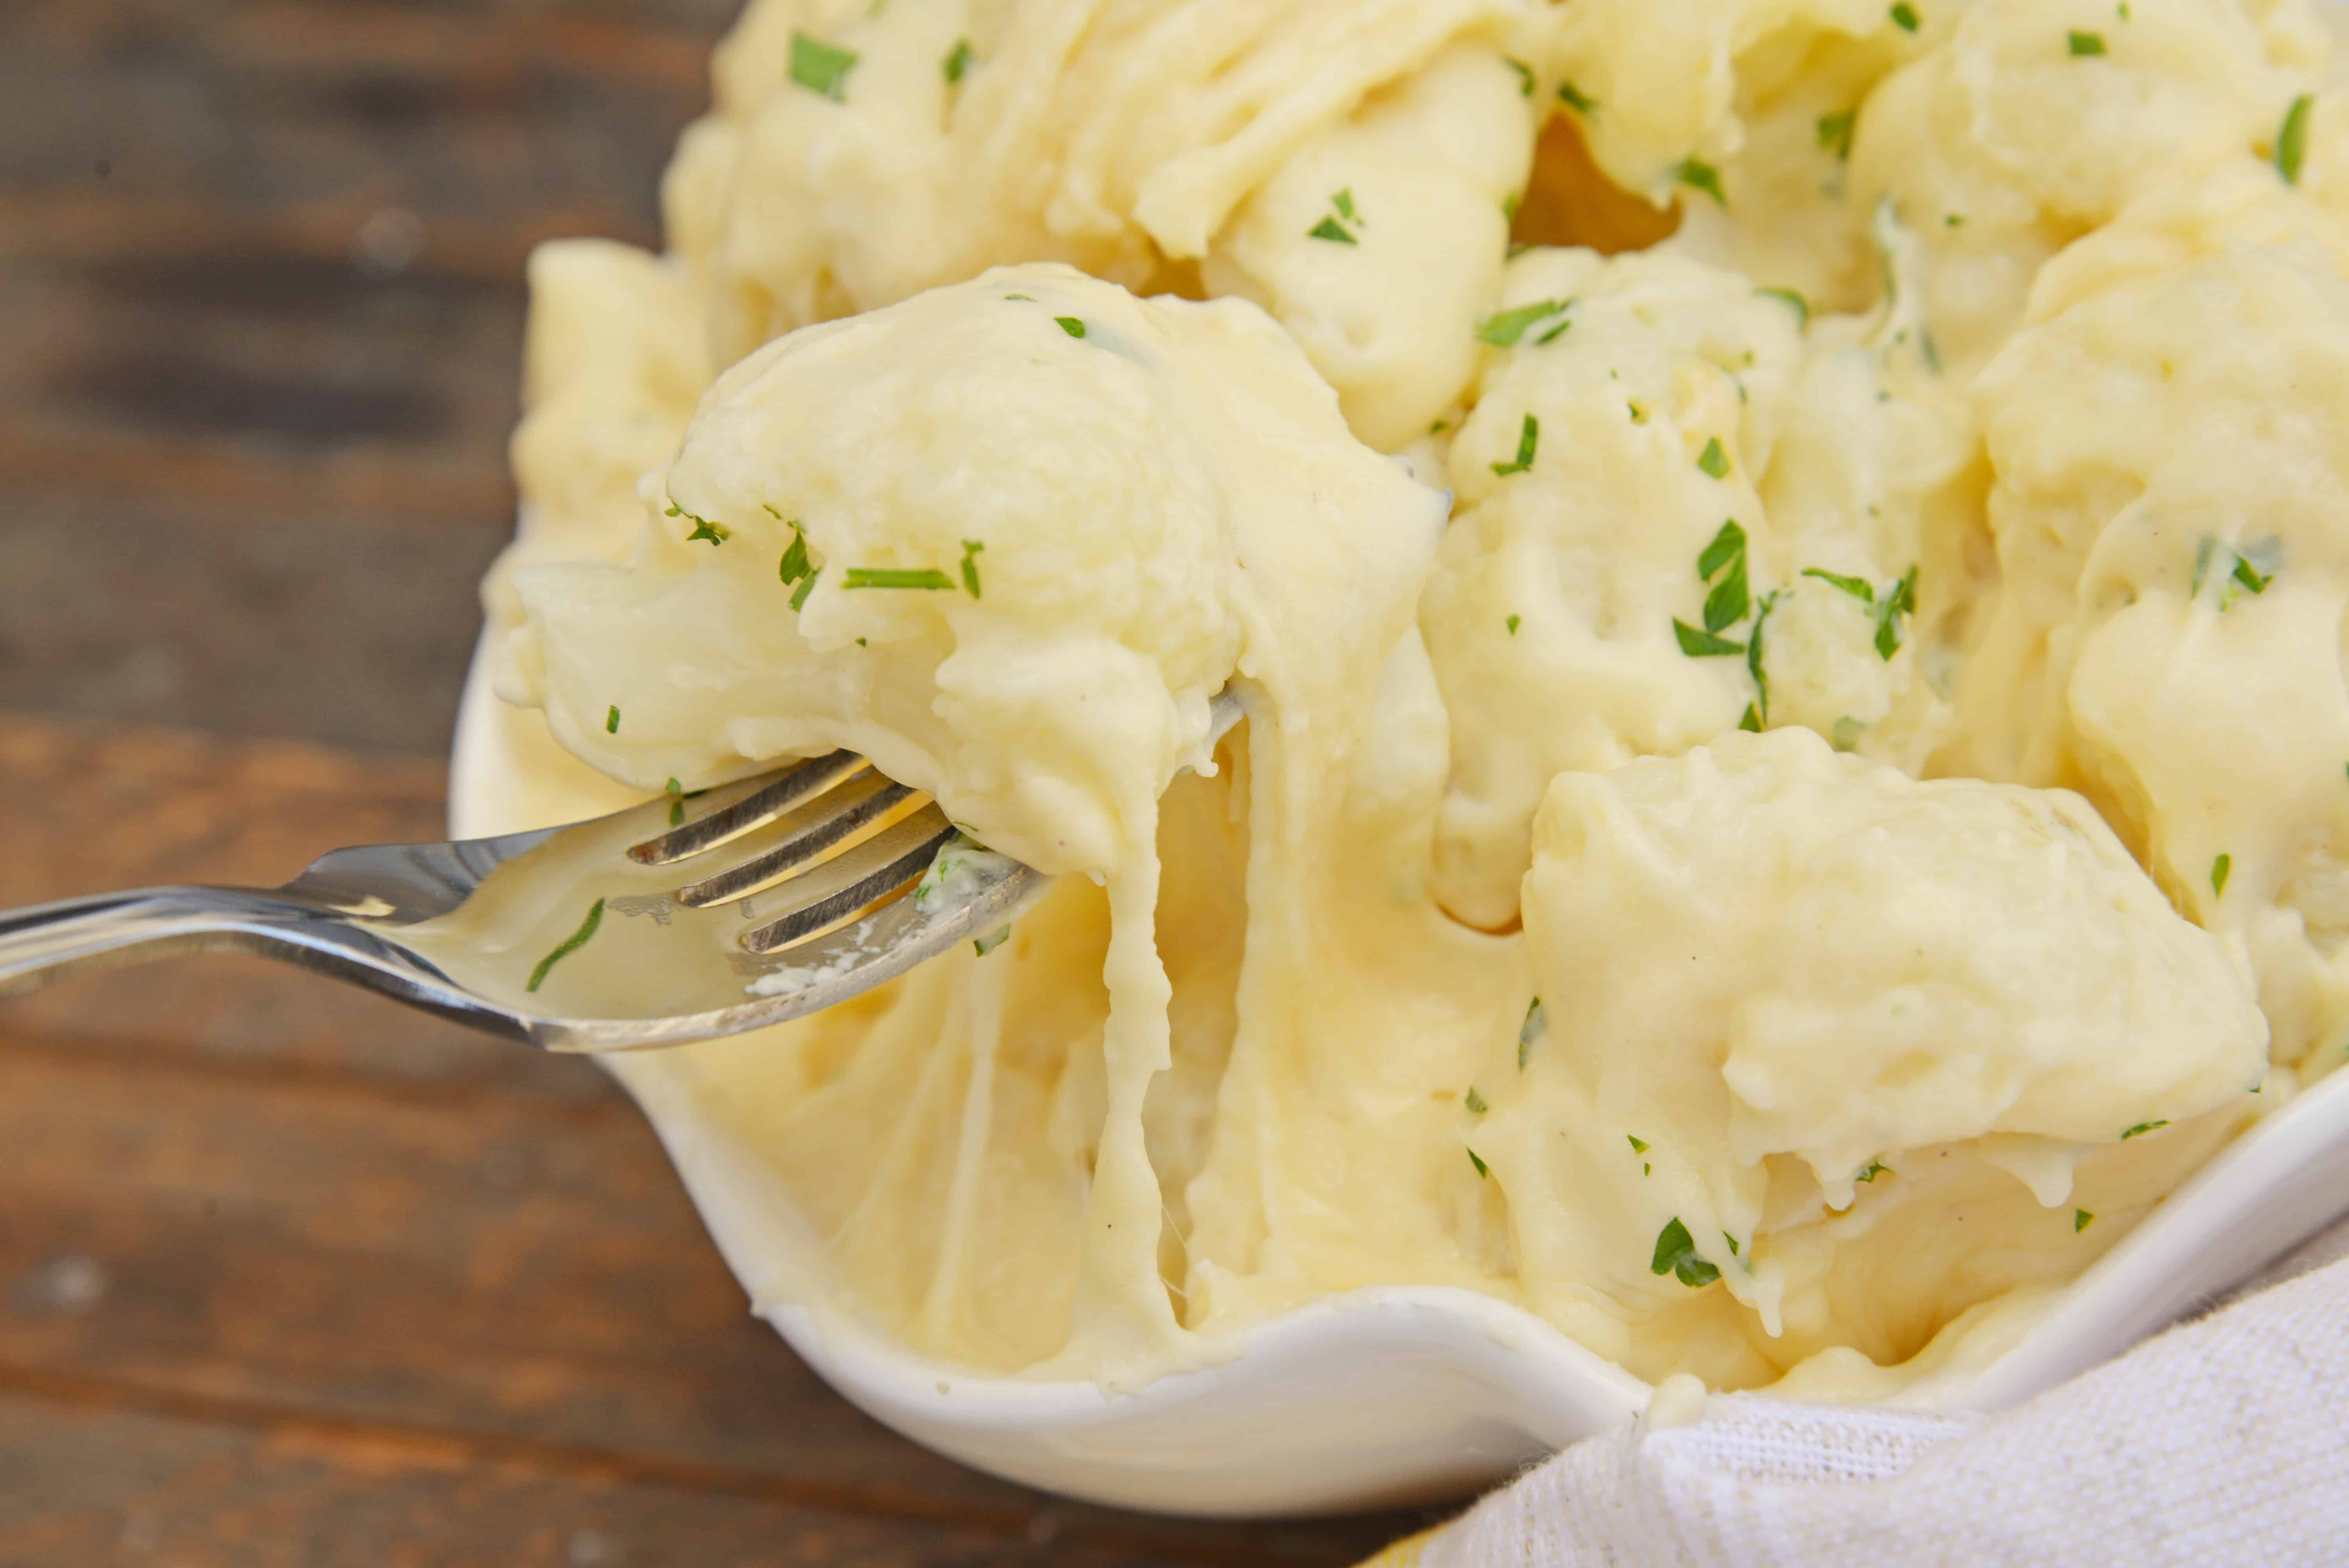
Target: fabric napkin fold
x=2224 y=1440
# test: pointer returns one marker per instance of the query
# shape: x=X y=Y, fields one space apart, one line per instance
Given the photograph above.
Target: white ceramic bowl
x=1377 y=1396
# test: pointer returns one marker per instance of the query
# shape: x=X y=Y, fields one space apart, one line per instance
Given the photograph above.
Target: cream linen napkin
x=2222 y=1441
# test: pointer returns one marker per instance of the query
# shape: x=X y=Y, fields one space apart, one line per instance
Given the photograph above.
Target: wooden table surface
x=290 y=1275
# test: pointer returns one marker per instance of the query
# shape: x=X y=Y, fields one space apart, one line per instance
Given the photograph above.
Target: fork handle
x=47 y=942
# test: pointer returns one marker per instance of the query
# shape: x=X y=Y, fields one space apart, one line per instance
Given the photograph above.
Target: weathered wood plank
x=349 y=632
x=103 y=1484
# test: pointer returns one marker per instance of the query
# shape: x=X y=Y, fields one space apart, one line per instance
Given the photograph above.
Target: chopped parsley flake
x=1528 y=437
x=794 y=566
x=1555 y=332
x=676 y=803
x=970 y=549
x=1071 y=325
x=2220 y=868
x=897 y=577
x=1897 y=601
x=1575 y=99
x=1481 y=1171
x=716 y=532
x=2081 y=1219
x=1794 y=301
x=983 y=946
x=1536 y=1025
x=2144 y=1127
x=1330 y=229
x=1525 y=77
x=1834 y=132
x=2239 y=571
x=1699 y=175
x=1701 y=645
x=1875 y=1168
x=1475 y=1101
x=1856 y=587
x=2086 y=43
x=612 y=719
x=2291 y=141
x=1732 y=1241
x=1030 y=298
x=1753 y=656
x=1676 y=1254
x=569 y=944
x=1639 y=1145
x=1515 y=622
x=1751 y=722
x=673 y=787
x=806 y=587
x=1503 y=328
x=1344 y=201
x=1725 y=558
x=1712 y=459
x=1904 y=17
x=957 y=60
x=820 y=69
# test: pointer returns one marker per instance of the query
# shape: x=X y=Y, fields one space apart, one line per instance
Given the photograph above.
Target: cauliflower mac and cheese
x=1785 y=564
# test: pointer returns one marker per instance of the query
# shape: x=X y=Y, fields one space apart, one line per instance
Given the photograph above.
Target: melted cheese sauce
x=1843 y=812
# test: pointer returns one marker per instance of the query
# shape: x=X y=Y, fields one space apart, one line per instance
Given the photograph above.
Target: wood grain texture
x=241 y=1200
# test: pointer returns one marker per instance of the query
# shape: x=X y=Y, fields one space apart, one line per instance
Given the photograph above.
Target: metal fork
x=588 y=937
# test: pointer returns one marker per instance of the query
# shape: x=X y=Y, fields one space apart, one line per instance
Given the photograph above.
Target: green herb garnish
x=1575 y=99
x=1536 y=1025
x=1528 y=437
x=1503 y=328
x=1751 y=721
x=1676 y=1254
x=983 y=946
x=1897 y=601
x=1481 y=1170
x=1904 y=17
x=612 y=719
x=2219 y=868
x=1712 y=459
x=569 y=944
x=2144 y=1127
x=1834 y=132
x=1875 y=1168
x=957 y=60
x=1699 y=175
x=1856 y=587
x=1701 y=645
x=1639 y=1144
x=1071 y=325
x=806 y=587
x=1514 y=623
x=1330 y=229
x=2086 y=43
x=716 y=532
x=1475 y=1101
x=1525 y=76
x=1794 y=302
x=820 y=69
x=794 y=565
x=1728 y=599
x=1030 y=298
x=2291 y=141
x=897 y=577
x=2080 y=1217
x=970 y=549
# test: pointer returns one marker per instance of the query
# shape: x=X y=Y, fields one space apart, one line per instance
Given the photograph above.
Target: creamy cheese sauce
x=1841 y=811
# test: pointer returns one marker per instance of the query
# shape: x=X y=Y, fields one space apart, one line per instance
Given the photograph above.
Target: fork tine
x=808 y=778
x=846 y=812
x=847 y=885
